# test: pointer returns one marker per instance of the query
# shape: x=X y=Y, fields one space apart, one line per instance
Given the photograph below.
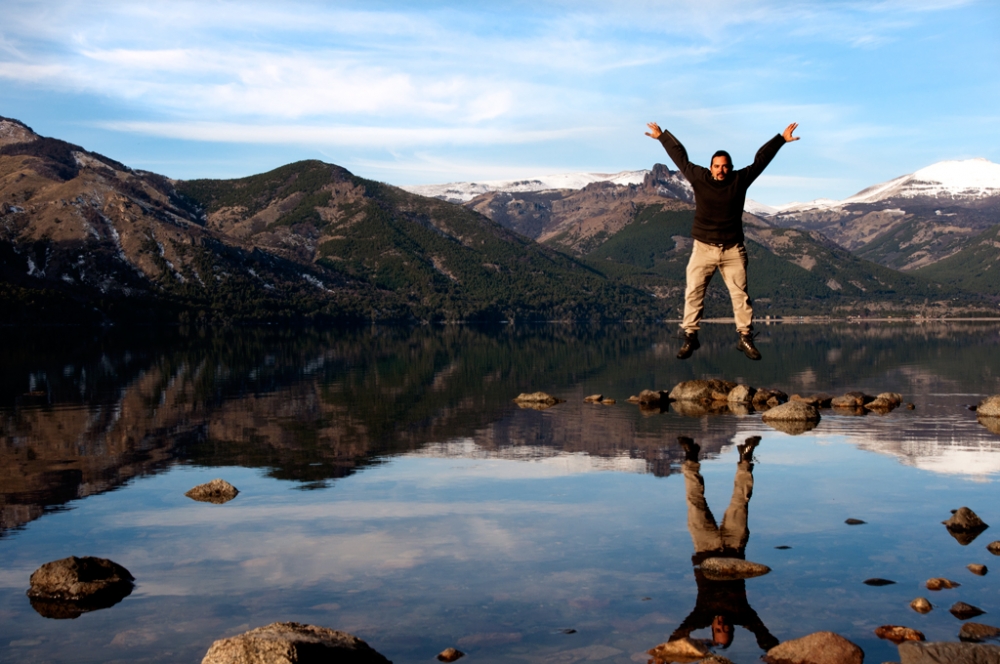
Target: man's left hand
x=787 y=134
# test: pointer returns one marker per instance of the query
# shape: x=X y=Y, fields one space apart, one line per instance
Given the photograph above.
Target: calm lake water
x=389 y=487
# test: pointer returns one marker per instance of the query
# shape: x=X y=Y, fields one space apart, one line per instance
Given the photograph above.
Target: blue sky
x=430 y=92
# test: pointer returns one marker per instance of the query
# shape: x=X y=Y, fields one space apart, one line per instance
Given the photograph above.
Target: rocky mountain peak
x=14 y=131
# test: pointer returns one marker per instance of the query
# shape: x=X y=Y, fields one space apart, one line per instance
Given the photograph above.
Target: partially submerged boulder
x=594 y=398
x=940 y=583
x=977 y=569
x=713 y=389
x=964 y=525
x=679 y=650
x=729 y=569
x=914 y=652
x=741 y=394
x=976 y=632
x=816 y=648
x=450 y=655
x=897 y=633
x=994 y=548
x=292 y=643
x=793 y=411
x=536 y=400
x=989 y=407
x=217 y=491
x=921 y=605
x=69 y=587
x=650 y=397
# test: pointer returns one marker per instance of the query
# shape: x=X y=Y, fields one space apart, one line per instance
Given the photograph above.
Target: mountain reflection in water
x=429 y=410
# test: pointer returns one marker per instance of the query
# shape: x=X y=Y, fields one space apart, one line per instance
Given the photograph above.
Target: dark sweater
x=718 y=215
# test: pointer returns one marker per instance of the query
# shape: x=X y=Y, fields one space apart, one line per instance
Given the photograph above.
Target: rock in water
x=594 y=398
x=450 y=655
x=964 y=611
x=741 y=394
x=536 y=400
x=977 y=569
x=854 y=522
x=816 y=648
x=72 y=586
x=217 y=491
x=940 y=583
x=795 y=411
x=914 y=652
x=897 y=633
x=698 y=390
x=921 y=605
x=878 y=582
x=989 y=407
x=292 y=643
x=653 y=397
x=727 y=569
x=964 y=519
x=994 y=548
x=679 y=650
x=792 y=427
x=977 y=632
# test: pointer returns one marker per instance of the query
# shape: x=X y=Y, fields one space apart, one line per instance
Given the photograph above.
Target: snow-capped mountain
x=946 y=181
x=463 y=192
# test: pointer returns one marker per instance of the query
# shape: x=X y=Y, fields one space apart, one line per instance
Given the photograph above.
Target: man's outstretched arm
x=767 y=152
x=674 y=148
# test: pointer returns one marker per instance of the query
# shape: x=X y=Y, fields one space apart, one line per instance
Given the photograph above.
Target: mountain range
x=85 y=238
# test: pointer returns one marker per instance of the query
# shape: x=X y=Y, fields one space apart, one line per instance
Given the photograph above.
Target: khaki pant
x=733 y=534
x=731 y=261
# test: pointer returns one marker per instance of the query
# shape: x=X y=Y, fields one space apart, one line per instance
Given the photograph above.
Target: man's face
x=720 y=168
x=722 y=631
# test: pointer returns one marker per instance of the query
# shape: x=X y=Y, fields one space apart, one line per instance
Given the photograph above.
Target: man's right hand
x=654 y=130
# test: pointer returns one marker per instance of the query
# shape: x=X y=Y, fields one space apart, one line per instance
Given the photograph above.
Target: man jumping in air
x=719 y=196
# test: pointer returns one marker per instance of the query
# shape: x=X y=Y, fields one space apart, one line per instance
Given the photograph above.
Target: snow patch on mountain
x=462 y=192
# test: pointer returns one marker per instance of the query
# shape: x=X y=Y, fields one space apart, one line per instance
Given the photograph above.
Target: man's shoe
x=691 y=448
x=691 y=344
x=746 y=345
x=746 y=449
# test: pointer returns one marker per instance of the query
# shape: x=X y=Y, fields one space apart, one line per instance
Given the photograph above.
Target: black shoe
x=746 y=449
x=745 y=344
x=691 y=448
x=691 y=344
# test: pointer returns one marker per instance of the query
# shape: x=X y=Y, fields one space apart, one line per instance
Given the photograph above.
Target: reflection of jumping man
x=720 y=604
x=719 y=196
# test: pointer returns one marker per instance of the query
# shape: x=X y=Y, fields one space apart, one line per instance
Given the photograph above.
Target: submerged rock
x=292 y=643
x=897 y=633
x=914 y=652
x=217 y=491
x=816 y=648
x=450 y=655
x=726 y=569
x=70 y=587
x=940 y=583
x=921 y=605
x=964 y=611
x=977 y=569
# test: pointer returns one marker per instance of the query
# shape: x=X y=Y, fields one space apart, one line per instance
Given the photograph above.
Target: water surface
x=390 y=488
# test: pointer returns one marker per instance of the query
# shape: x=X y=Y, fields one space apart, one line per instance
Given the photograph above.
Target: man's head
x=722 y=631
x=722 y=163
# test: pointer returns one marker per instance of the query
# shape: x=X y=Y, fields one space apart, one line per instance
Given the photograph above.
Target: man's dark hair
x=722 y=153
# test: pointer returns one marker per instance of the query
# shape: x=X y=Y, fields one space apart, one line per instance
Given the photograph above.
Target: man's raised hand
x=787 y=134
x=654 y=130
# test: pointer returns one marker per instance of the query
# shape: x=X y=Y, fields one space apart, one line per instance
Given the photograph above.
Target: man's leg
x=733 y=266
x=701 y=523
x=700 y=268
x=734 y=530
